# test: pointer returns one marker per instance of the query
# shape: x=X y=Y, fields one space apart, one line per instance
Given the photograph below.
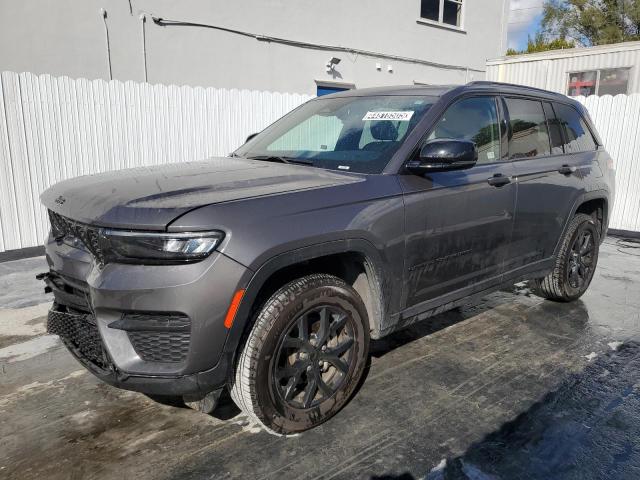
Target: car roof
x=439 y=90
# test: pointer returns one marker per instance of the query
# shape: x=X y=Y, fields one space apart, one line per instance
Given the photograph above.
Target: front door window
x=474 y=119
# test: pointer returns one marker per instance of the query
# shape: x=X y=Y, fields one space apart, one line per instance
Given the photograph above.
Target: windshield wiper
x=275 y=158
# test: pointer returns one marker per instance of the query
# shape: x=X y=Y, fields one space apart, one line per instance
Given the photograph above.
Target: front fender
x=318 y=250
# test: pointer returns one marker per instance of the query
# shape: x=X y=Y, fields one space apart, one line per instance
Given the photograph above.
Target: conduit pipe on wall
x=313 y=46
x=103 y=12
x=143 y=21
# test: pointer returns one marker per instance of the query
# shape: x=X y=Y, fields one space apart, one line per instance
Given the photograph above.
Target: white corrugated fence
x=617 y=120
x=56 y=128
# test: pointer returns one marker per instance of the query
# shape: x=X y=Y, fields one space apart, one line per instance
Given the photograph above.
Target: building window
x=613 y=81
x=610 y=81
x=446 y=12
x=582 y=83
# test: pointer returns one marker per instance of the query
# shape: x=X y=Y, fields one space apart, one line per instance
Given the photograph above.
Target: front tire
x=575 y=264
x=304 y=356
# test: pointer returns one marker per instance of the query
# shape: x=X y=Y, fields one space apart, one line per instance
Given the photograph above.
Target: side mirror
x=250 y=137
x=443 y=155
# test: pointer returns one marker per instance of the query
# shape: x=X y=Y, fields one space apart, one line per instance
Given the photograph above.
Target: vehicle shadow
x=402 y=476
x=518 y=299
x=227 y=410
x=586 y=429
x=378 y=348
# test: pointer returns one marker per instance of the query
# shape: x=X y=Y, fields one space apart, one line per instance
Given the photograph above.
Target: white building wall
x=69 y=37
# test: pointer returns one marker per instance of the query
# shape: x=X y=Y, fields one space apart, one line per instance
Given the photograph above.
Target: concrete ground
x=512 y=387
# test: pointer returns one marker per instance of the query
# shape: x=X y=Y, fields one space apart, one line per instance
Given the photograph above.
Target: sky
x=524 y=19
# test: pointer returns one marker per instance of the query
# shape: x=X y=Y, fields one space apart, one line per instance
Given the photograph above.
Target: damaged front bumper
x=156 y=329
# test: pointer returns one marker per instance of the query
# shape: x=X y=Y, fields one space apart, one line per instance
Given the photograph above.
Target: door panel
x=458 y=229
x=545 y=200
x=549 y=186
x=459 y=223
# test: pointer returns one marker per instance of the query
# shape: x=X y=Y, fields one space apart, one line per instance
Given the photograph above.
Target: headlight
x=123 y=246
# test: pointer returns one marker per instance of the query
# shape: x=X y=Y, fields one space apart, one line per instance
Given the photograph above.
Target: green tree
x=592 y=22
x=540 y=43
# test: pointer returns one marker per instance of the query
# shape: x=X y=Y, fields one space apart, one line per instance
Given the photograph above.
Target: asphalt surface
x=512 y=387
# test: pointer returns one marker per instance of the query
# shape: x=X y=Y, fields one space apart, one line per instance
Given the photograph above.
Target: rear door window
x=555 y=130
x=528 y=135
x=577 y=136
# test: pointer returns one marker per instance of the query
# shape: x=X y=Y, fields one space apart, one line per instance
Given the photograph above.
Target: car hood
x=151 y=197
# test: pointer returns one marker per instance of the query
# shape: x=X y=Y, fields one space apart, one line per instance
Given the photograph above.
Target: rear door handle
x=498 y=180
x=567 y=170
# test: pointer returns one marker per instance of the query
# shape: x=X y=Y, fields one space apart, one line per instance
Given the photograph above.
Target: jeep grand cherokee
x=268 y=272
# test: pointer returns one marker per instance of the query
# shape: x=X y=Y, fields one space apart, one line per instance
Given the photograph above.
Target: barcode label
x=396 y=116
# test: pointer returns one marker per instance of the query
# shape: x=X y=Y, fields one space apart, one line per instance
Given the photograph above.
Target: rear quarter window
x=577 y=136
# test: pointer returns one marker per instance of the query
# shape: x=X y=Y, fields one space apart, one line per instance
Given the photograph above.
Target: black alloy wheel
x=314 y=357
x=575 y=262
x=580 y=264
x=304 y=356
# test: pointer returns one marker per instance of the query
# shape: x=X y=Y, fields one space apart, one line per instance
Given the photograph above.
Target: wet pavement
x=511 y=387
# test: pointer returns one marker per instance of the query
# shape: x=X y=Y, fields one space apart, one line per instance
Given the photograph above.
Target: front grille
x=169 y=347
x=80 y=333
x=63 y=227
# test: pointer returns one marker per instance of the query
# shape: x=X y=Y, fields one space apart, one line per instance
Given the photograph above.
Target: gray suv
x=268 y=272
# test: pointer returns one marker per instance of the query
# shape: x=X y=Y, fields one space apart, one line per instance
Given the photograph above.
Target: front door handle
x=498 y=180
x=567 y=170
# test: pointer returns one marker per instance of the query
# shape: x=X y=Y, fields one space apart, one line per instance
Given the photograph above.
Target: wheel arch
x=598 y=208
x=356 y=261
x=588 y=203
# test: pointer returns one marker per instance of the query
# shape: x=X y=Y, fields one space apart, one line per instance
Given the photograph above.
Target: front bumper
x=157 y=329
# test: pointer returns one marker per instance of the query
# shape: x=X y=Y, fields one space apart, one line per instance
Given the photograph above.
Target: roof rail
x=524 y=87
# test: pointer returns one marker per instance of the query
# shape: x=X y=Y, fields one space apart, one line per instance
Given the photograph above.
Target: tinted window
x=451 y=12
x=430 y=9
x=577 y=136
x=554 y=130
x=528 y=134
x=474 y=119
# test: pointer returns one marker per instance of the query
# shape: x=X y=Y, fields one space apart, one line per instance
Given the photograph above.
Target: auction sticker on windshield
x=397 y=116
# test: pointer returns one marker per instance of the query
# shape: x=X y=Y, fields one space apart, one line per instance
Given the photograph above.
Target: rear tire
x=304 y=356
x=575 y=264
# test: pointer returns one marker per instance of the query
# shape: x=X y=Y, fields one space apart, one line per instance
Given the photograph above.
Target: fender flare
x=600 y=194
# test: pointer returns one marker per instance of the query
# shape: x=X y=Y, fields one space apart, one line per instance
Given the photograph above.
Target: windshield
x=357 y=134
